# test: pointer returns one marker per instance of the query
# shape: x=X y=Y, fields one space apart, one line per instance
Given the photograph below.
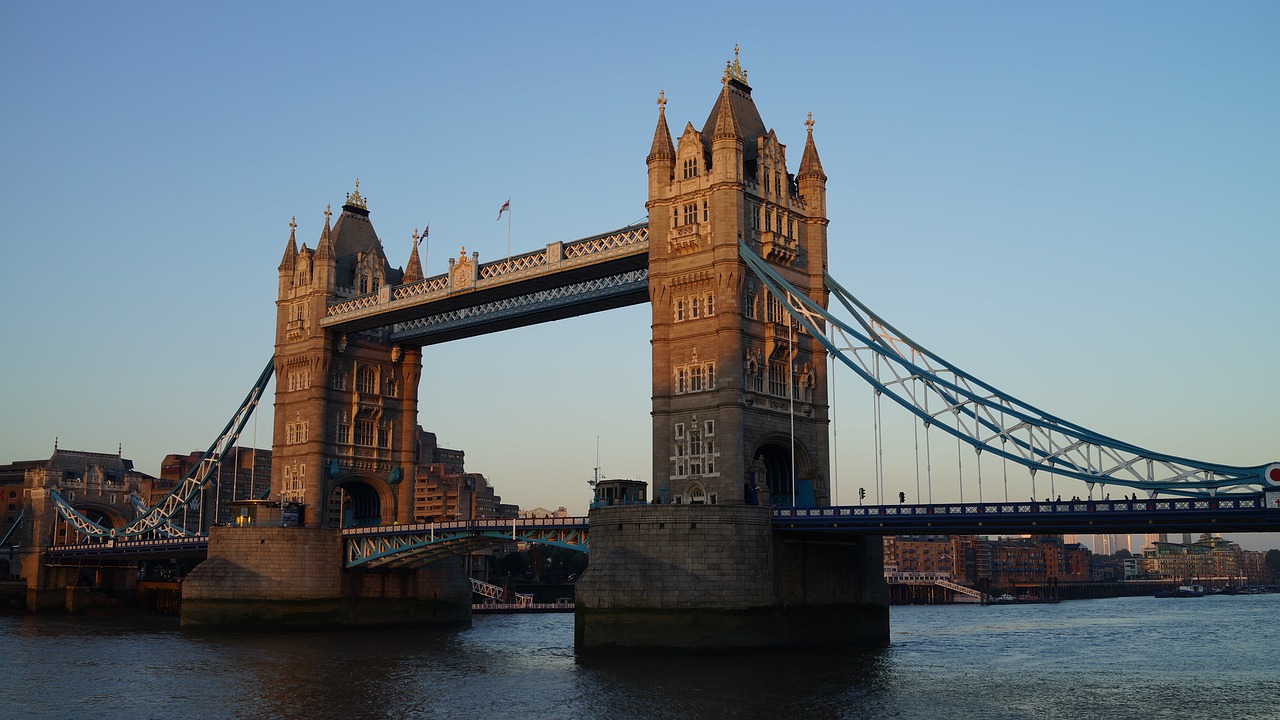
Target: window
x=364 y=432
x=679 y=309
x=679 y=431
x=690 y=168
x=704 y=211
x=340 y=380
x=709 y=428
x=695 y=377
x=695 y=308
x=343 y=428
x=393 y=388
x=299 y=379
x=384 y=434
x=749 y=305
x=778 y=379
x=295 y=432
x=691 y=214
x=711 y=304
x=777 y=311
x=364 y=284
x=367 y=380
x=675 y=217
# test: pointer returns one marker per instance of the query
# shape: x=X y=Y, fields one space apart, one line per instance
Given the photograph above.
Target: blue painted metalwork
x=389 y=546
x=1257 y=512
x=4 y=541
x=156 y=520
x=989 y=419
x=132 y=547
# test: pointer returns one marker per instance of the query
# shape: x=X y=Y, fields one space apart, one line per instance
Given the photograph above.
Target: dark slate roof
x=744 y=109
x=353 y=234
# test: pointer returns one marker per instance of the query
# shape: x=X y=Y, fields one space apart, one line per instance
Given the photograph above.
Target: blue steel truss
x=1257 y=512
x=4 y=541
x=987 y=418
x=552 y=303
x=157 y=521
x=391 y=546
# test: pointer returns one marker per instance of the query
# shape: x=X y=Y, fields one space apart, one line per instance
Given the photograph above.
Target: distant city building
x=98 y=485
x=444 y=490
x=1209 y=561
x=243 y=474
x=982 y=562
x=541 y=512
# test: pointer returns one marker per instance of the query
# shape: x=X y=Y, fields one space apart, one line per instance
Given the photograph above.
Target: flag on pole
x=506 y=207
x=425 y=229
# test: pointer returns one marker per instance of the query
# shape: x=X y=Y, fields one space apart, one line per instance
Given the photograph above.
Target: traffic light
x=902 y=497
x=862 y=493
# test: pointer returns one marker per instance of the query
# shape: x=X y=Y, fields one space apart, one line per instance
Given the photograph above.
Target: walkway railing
x=1225 y=513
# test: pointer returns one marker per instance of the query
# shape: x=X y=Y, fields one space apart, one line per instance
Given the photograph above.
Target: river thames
x=1212 y=657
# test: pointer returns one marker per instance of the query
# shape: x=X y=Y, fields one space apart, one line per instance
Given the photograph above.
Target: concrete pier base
x=276 y=578
x=707 y=578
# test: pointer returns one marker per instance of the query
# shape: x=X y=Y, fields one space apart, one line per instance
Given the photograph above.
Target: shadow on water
x=779 y=684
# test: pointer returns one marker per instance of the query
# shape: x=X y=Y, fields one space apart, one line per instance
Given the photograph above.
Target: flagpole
x=508 y=229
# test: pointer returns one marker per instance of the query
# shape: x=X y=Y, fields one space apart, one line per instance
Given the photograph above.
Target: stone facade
x=346 y=406
x=740 y=414
x=279 y=577
x=709 y=578
x=734 y=381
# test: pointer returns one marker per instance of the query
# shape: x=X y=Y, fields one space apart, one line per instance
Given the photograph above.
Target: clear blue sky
x=1076 y=202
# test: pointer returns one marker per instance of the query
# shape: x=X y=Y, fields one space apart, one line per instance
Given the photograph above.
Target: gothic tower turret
x=346 y=406
x=740 y=413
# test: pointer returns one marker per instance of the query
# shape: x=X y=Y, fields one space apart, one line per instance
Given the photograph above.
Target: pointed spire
x=662 y=148
x=324 y=250
x=810 y=165
x=727 y=119
x=413 y=270
x=290 y=250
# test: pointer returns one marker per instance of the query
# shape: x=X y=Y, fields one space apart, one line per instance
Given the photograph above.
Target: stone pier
x=273 y=578
x=703 y=578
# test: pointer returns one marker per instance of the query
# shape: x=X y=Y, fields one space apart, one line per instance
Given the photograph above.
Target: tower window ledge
x=778 y=248
x=685 y=239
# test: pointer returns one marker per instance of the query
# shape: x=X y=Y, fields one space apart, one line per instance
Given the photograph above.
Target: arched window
x=697 y=496
x=367 y=380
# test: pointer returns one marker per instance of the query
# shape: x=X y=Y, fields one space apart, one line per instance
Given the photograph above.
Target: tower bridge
x=742 y=547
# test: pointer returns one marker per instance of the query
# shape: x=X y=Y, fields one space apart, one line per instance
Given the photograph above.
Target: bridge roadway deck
x=1256 y=512
x=387 y=545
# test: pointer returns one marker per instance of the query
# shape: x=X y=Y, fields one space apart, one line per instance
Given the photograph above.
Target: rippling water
x=1210 y=657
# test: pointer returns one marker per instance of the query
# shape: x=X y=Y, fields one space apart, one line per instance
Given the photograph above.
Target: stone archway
x=774 y=456
x=359 y=502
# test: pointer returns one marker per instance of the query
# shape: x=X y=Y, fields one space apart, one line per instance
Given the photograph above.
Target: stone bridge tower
x=346 y=406
x=740 y=412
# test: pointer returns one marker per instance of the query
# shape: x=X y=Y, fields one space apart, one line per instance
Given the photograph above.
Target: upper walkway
x=596 y=273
